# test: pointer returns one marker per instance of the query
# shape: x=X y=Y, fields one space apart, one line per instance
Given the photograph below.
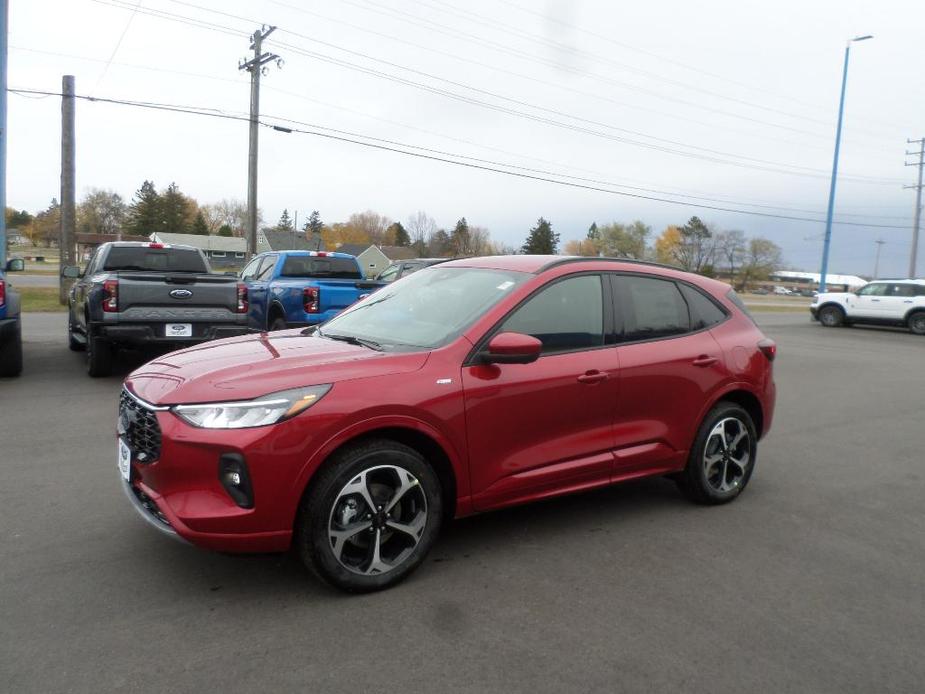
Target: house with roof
x=374 y=259
x=293 y=241
x=222 y=251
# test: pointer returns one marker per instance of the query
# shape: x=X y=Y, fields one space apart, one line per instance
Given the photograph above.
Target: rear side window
x=651 y=308
x=902 y=290
x=704 y=312
x=312 y=266
x=266 y=268
x=154 y=259
x=739 y=304
x=565 y=316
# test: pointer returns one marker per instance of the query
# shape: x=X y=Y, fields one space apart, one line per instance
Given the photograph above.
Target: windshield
x=154 y=259
x=427 y=310
x=310 y=266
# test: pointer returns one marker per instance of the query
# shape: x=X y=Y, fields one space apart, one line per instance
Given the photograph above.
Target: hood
x=243 y=368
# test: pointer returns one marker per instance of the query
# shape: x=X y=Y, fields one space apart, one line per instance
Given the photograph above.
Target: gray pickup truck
x=138 y=294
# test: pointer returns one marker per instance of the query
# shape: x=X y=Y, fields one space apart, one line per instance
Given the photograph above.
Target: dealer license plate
x=179 y=330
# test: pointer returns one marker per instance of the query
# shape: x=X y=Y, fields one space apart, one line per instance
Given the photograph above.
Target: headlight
x=268 y=409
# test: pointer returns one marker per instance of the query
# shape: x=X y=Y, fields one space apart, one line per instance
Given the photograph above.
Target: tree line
x=693 y=246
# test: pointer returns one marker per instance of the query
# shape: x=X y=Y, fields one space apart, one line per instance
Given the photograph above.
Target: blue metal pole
x=4 y=25
x=828 y=216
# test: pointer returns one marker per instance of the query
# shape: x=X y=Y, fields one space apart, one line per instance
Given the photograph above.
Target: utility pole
x=918 y=202
x=66 y=237
x=879 y=243
x=4 y=24
x=255 y=66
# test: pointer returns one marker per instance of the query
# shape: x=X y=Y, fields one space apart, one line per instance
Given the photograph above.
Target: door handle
x=876 y=301
x=704 y=360
x=908 y=301
x=592 y=377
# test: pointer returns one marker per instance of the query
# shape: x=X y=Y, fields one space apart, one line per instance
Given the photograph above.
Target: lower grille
x=148 y=505
x=141 y=430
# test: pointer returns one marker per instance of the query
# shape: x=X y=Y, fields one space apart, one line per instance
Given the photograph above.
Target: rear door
x=897 y=301
x=546 y=427
x=669 y=366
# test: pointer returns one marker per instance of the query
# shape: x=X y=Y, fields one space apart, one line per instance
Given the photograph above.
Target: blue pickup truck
x=289 y=289
x=10 y=323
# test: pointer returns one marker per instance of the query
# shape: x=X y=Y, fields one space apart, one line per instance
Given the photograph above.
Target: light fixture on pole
x=828 y=216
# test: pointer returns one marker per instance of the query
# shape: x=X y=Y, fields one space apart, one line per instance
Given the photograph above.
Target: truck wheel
x=831 y=316
x=917 y=323
x=278 y=324
x=11 y=354
x=99 y=357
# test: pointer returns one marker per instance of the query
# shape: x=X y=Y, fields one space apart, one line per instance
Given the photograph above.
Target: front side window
x=874 y=289
x=565 y=316
x=651 y=308
x=390 y=274
x=427 y=310
x=251 y=269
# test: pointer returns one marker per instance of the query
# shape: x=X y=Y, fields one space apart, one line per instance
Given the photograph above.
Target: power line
x=117 y=46
x=214 y=113
x=817 y=173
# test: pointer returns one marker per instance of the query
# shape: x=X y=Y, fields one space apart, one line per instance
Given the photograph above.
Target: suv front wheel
x=371 y=516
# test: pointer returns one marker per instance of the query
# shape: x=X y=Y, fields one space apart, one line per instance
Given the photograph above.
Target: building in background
x=375 y=259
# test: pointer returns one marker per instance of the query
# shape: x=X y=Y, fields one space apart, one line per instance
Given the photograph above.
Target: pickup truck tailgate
x=337 y=295
x=141 y=294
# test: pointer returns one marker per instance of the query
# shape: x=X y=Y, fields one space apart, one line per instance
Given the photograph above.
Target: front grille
x=142 y=432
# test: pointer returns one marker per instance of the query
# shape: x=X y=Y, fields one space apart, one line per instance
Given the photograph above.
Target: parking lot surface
x=811 y=582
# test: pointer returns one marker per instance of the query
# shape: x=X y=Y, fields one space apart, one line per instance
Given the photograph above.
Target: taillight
x=311 y=299
x=111 y=296
x=242 y=298
x=768 y=348
x=2 y=293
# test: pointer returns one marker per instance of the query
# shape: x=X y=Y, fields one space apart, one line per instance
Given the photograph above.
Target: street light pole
x=831 y=208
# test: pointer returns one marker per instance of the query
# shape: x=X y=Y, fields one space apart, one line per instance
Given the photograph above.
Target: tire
x=355 y=488
x=831 y=316
x=11 y=354
x=278 y=323
x=717 y=474
x=99 y=357
x=916 y=323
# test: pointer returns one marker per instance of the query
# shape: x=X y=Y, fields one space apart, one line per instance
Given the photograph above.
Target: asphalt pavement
x=812 y=581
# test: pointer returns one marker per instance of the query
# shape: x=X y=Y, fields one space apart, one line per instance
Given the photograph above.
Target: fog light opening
x=234 y=477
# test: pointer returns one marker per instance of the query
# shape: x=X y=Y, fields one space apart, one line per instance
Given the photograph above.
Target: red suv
x=468 y=386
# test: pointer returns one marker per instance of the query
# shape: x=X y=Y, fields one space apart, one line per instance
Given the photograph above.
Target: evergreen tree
x=175 y=211
x=199 y=225
x=438 y=245
x=225 y=230
x=285 y=222
x=593 y=233
x=398 y=235
x=144 y=214
x=314 y=225
x=542 y=239
x=461 y=239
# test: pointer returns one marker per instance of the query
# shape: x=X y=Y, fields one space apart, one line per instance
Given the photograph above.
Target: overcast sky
x=730 y=100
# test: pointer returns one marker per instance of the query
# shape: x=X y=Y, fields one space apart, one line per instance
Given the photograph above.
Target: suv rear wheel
x=917 y=323
x=722 y=458
x=371 y=516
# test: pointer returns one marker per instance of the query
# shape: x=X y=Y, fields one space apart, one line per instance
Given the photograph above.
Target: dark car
x=469 y=386
x=403 y=268
x=10 y=322
x=142 y=294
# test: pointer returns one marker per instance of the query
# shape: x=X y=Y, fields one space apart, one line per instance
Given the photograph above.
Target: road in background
x=810 y=582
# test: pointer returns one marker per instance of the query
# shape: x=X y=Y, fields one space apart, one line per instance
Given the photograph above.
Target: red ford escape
x=469 y=386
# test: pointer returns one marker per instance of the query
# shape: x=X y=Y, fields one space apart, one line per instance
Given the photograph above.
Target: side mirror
x=70 y=272
x=512 y=348
x=15 y=265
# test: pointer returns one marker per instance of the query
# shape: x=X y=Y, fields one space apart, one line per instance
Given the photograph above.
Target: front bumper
x=814 y=313
x=180 y=493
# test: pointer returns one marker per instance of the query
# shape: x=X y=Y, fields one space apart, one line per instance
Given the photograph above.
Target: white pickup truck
x=884 y=302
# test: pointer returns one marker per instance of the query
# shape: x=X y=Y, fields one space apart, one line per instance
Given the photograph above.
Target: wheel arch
x=416 y=435
x=911 y=312
x=834 y=304
x=749 y=402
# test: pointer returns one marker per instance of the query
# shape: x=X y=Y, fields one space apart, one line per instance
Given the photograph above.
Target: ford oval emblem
x=181 y=293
